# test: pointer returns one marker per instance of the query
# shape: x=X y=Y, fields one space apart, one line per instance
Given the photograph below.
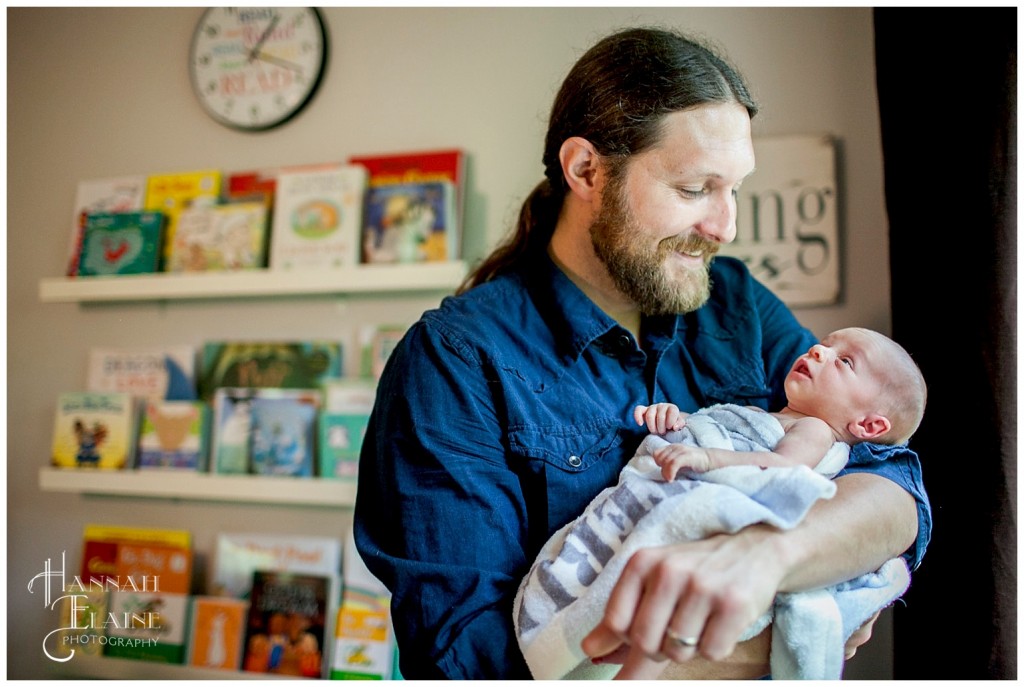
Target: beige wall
x=105 y=92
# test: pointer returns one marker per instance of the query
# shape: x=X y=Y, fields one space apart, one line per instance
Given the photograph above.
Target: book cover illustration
x=239 y=555
x=121 y=243
x=343 y=421
x=283 y=440
x=420 y=167
x=407 y=223
x=286 y=624
x=158 y=373
x=94 y=430
x=115 y=194
x=148 y=626
x=172 y=193
x=317 y=217
x=265 y=431
x=220 y=238
x=167 y=568
x=216 y=631
x=172 y=435
x=268 y=364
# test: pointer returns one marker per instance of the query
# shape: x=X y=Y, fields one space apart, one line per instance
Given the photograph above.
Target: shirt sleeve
x=439 y=516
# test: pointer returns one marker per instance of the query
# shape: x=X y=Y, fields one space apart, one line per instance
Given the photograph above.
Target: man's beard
x=641 y=272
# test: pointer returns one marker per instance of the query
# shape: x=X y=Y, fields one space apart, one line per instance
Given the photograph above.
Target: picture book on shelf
x=272 y=364
x=157 y=549
x=177 y=191
x=407 y=223
x=94 y=430
x=220 y=238
x=121 y=243
x=251 y=186
x=239 y=555
x=343 y=421
x=82 y=634
x=173 y=435
x=377 y=343
x=266 y=431
x=216 y=631
x=317 y=217
x=157 y=372
x=419 y=167
x=115 y=194
x=286 y=628
x=150 y=625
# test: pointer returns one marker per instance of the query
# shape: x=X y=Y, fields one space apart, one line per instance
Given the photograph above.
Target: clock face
x=255 y=68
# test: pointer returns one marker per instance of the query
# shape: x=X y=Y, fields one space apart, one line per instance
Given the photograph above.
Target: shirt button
x=624 y=343
x=575 y=461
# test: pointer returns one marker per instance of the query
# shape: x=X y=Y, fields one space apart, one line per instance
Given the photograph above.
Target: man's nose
x=720 y=222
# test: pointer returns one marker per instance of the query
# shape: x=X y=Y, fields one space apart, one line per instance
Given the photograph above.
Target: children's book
x=272 y=364
x=220 y=238
x=173 y=435
x=408 y=223
x=422 y=167
x=377 y=343
x=239 y=555
x=317 y=217
x=158 y=373
x=155 y=567
x=257 y=186
x=283 y=441
x=83 y=612
x=148 y=626
x=121 y=243
x=116 y=194
x=343 y=421
x=286 y=628
x=216 y=631
x=172 y=193
x=101 y=544
x=94 y=430
x=265 y=431
x=364 y=645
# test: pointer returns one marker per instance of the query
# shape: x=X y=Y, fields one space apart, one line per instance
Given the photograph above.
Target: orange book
x=217 y=628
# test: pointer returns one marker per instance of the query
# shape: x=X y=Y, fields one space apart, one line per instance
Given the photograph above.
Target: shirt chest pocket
x=563 y=467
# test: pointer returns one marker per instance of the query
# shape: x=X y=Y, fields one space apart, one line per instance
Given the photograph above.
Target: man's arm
x=715 y=588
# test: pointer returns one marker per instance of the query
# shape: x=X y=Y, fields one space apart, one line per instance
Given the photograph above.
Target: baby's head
x=863 y=384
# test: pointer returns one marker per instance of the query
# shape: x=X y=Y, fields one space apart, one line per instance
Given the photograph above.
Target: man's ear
x=869 y=427
x=581 y=166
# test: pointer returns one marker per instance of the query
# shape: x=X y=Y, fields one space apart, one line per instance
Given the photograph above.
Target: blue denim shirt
x=502 y=413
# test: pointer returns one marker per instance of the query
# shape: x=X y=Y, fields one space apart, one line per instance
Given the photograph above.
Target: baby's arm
x=661 y=418
x=805 y=442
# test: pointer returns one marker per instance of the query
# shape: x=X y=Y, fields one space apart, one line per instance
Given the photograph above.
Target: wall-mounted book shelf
x=363 y=279
x=201 y=486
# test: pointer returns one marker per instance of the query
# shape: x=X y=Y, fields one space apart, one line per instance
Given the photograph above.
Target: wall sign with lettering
x=786 y=224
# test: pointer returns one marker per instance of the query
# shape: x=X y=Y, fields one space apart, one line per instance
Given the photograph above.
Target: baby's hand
x=674 y=457
x=661 y=418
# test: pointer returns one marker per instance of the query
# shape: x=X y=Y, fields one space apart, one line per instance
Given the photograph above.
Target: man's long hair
x=616 y=96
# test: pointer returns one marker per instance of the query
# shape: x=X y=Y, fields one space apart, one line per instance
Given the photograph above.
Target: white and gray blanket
x=563 y=596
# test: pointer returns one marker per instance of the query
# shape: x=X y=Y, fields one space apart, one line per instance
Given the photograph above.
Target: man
x=502 y=413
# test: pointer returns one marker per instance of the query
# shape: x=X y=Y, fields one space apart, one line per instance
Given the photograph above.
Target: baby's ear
x=869 y=427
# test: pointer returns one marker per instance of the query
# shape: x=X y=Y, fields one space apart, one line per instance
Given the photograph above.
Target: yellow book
x=114 y=533
x=175 y=192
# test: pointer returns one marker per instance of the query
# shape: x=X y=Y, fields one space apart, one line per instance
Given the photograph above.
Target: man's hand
x=705 y=593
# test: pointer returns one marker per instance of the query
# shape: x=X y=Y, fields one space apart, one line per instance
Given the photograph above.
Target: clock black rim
x=295 y=111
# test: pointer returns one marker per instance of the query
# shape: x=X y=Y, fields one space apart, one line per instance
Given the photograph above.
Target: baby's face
x=840 y=379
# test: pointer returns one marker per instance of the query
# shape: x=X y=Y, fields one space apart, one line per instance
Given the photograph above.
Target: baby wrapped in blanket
x=563 y=597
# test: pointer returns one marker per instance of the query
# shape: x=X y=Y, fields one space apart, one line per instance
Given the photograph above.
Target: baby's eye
x=847 y=361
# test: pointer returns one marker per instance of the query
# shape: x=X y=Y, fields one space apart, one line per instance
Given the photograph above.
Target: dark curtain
x=947 y=96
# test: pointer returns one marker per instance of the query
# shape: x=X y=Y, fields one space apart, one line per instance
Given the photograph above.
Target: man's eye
x=692 y=194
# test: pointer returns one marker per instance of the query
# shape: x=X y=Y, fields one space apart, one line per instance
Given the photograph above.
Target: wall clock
x=255 y=68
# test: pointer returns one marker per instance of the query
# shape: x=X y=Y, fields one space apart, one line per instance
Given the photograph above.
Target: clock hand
x=278 y=61
x=263 y=39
